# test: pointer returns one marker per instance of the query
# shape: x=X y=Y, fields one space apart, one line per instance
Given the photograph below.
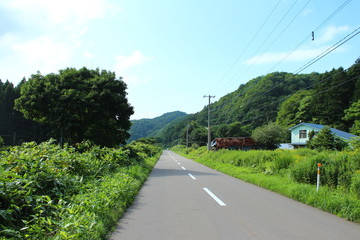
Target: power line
x=329 y=50
x=308 y=36
x=347 y=38
x=251 y=41
x=333 y=14
x=314 y=60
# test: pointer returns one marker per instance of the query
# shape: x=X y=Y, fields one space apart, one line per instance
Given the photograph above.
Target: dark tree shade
x=81 y=104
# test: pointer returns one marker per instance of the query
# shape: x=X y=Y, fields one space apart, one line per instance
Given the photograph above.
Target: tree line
x=14 y=128
x=71 y=106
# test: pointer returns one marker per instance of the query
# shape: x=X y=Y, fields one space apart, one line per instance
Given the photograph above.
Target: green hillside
x=150 y=127
x=331 y=98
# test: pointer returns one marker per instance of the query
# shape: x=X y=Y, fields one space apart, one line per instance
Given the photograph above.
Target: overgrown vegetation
x=49 y=192
x=293 y=173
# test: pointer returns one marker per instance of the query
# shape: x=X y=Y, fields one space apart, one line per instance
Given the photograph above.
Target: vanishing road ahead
x=185 y=200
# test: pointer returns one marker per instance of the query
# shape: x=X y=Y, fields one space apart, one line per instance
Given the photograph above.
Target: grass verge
x=335 y=201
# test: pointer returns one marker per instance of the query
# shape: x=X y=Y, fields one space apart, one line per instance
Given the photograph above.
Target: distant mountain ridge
x=150 y=127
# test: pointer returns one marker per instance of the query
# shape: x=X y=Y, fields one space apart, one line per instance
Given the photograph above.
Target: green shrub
x=283 y=160
x=355 y=184
x=51 y=192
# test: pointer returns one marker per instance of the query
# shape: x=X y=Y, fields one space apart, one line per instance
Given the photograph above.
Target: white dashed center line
x=221 y=203
x=194 y=178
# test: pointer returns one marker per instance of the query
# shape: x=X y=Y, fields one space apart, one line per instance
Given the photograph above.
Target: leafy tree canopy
x=81 y=104
x=325 y=139
x=269 y=135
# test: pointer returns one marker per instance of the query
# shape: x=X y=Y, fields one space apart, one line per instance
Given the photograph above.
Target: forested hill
x=150 y=127
x=331 y=98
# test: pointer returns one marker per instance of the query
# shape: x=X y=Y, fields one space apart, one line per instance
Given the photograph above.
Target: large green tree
x=270 y=135
x=81 y=104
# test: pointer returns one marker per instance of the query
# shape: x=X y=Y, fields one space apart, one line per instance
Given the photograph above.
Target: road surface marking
x=192 y=176
x=221 y=203
x=173 y=158
x=178 y=163
x=183 y=168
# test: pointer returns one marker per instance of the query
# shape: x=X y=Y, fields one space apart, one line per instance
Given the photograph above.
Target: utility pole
x=187 y=136
x=209 y=132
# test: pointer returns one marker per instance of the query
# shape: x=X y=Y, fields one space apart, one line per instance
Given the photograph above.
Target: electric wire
x=329 y=50
x=265 y=40
x=317 y=58
x=251 y=41
x=307 y=36
x=341 y=42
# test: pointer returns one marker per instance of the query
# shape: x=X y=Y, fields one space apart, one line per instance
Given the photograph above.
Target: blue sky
x=173 y=52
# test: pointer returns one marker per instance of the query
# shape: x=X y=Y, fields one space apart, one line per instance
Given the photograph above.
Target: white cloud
x=48 y=34
x=124 y=65
x=126 y=62
x=271 y=57
x=321 y=44
x=296 y=56
x=43 y=51
x=330 y=33
x=58 y=11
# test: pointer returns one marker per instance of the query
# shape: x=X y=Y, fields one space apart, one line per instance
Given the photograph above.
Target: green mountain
x=284 y=98
x=150 y=127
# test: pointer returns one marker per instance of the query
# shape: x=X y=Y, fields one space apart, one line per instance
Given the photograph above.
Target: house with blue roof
x=300 y=133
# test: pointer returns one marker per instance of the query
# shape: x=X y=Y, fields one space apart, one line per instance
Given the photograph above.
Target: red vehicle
x=241 y=143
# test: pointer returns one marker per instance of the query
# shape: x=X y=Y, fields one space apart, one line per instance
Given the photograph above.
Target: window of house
x=302 y=134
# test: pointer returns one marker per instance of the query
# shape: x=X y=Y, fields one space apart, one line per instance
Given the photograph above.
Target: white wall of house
x=300 y=134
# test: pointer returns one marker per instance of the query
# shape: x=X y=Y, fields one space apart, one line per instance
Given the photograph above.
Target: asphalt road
x=185 y=200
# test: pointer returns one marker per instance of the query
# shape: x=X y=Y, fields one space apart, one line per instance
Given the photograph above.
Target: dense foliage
x=69 y=193
x=80 y=104
x=294 y=174
x=270 y=135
